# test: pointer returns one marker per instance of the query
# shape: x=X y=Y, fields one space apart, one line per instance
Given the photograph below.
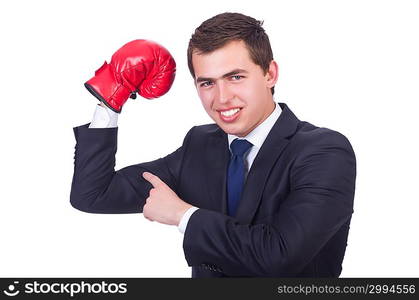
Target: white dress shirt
x=106 y=118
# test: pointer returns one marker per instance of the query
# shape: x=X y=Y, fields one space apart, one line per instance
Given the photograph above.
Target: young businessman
x=257 y=194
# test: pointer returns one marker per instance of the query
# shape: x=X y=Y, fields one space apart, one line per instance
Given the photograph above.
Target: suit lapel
x=217 y=156
x=275 y=143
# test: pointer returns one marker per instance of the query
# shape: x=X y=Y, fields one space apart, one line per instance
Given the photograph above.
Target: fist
x=140 y=66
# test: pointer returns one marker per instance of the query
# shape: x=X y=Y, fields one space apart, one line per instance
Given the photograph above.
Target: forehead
x=233 y=55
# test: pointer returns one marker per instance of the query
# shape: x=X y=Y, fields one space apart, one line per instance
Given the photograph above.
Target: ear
x=272 y=74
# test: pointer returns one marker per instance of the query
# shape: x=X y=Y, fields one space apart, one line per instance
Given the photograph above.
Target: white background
x=352 y=66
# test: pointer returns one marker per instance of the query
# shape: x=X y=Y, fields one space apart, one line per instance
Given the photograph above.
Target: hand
x=163 y=205
x=138 y=66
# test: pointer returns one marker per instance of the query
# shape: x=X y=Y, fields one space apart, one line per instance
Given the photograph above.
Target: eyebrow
x=234 y=72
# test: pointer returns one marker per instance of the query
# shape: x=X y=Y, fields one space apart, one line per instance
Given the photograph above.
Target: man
x=257 y=194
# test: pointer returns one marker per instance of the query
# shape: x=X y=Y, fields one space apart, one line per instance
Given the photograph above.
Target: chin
x=231 y=130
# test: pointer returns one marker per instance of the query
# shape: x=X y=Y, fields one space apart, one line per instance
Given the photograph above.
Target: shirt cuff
x=104 y=118
x=185 y=219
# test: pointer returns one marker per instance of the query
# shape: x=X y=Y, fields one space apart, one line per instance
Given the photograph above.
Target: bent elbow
x=82 y=203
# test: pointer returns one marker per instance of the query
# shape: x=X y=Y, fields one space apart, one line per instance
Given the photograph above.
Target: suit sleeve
x=98 y=188
x=322 y=183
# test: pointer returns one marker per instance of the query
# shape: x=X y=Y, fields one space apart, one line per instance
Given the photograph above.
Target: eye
x=237 y=77
x=206 y=83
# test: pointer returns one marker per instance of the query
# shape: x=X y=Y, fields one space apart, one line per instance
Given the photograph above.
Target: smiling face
x=234 y=91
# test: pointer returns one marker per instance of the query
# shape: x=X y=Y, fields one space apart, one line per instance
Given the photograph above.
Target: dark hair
x=217 y=31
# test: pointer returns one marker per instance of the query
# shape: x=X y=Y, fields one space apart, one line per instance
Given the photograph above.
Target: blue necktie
x=236 y=173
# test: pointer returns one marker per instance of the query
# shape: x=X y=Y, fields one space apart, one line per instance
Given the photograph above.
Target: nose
x=224 y=93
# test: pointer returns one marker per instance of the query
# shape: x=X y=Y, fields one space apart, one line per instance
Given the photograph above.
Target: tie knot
x=240 y=147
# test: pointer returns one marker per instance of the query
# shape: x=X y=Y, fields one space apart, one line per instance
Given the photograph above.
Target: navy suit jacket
x=293 y=218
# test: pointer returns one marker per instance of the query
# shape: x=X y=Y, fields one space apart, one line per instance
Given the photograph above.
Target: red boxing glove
x=139 y=66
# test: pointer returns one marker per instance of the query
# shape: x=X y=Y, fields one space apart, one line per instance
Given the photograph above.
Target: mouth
x=229 y=115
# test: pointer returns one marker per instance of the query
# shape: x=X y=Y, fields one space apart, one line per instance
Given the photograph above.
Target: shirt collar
x=258 y=135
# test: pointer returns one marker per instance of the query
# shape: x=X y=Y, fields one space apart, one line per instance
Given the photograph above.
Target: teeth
x=229 y=113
